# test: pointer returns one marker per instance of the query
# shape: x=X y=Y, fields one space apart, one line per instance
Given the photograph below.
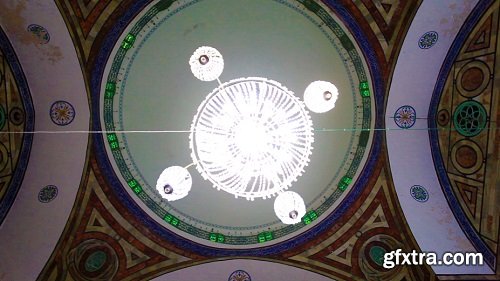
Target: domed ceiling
x=157 y=68
x=97 y=98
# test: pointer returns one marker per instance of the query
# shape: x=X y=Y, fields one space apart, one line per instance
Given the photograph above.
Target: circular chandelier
x=251 y=137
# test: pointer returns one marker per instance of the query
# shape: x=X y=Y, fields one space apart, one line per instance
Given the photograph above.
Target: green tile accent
x=132 y=183
x=110 y=90
x=309 y=217
x=136 y=187
x=221 y=238
x=306 y=220
x=344 y=183
x=171 y=219
x=168 y=218
x=261 y=237
x=364 y=89
x=213 y=237
x=269 y=236
x=114 y=145
x=346 y=180
x=265 y=236
x=217 y=237
x=312 y=214
x=112 y=137
x=128 y=42
x=342 y=186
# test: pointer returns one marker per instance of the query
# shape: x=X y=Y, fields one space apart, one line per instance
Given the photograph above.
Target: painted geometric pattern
x=385 y=21
x=137 y=184
x=354 y=248
x=12 y=119
x=62 y=113
x=104 y=242
x=239 y=275
x=85 y=19
x=468 y=113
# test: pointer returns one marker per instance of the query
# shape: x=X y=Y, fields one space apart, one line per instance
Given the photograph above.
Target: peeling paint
x=17 y=24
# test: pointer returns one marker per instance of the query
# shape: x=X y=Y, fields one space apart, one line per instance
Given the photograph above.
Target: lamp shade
x=174 y=183
x=289 y=207
x=206 y=63
x=320 y=96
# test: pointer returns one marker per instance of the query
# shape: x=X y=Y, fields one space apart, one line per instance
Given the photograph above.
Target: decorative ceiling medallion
x=419 y=193
x=62 y=113
x=405 y=117
x=239 y=275
x=93 y=260
x=428 y=39
x=377 y=254
x=39 y=32
x=251 y=137
x=470 y=118
x=47 y=194
x=467 y=156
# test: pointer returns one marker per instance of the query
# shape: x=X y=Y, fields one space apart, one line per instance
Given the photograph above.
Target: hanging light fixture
x=289 y=207
x=174 y=183
x=320 y=96
x=206 y=63
x=251 y=137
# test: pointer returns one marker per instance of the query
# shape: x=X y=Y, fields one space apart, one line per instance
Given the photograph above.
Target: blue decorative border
x=29 y=125
x=109 y=42
x=143 y=180
x=455 y=48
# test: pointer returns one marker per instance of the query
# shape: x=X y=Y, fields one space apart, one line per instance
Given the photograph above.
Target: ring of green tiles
x=114 y=144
